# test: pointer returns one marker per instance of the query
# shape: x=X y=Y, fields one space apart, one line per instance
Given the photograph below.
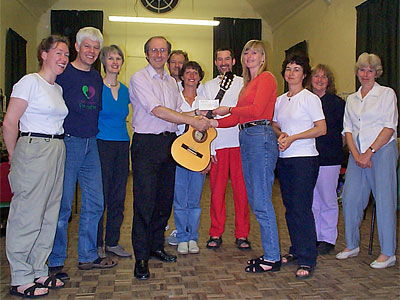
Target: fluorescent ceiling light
x=163 y=21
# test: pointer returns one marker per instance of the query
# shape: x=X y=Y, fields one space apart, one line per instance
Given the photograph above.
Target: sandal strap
x=30 y=291
x=50 y=282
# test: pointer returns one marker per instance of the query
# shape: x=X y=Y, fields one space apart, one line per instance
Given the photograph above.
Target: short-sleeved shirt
x=112 y=117
x=46 y=109
x=365 y=117
x=330 y=146
x=297 y=114
x=82 y=94
x=147 y=90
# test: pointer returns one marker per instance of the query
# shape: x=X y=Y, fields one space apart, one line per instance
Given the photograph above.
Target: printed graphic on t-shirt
x=89 y=92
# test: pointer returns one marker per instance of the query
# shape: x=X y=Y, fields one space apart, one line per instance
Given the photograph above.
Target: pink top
x=257 y=102
x=147 y=91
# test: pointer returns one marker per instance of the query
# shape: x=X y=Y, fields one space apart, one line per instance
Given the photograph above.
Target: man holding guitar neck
x=227 y=161
x=155 y=114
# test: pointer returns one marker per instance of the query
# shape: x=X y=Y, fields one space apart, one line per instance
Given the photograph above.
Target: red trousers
x=228 y=163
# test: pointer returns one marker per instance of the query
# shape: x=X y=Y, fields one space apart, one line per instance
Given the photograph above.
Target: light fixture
x=163 y=21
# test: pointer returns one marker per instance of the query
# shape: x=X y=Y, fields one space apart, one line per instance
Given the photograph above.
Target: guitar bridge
x=191 y=150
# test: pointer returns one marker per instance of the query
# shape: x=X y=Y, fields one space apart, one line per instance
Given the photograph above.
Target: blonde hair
x=369 y=59
x=256 y=45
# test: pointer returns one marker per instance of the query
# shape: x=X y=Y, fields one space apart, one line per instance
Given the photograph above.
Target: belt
x=167 y=133
x=254 y=123
x=42 y=135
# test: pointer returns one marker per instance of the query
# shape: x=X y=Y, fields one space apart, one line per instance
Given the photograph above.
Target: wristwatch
x=372 y=149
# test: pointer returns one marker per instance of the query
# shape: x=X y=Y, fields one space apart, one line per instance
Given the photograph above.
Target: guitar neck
x=220 y=95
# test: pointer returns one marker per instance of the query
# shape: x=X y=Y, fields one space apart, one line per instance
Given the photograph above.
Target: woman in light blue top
x=113 y=144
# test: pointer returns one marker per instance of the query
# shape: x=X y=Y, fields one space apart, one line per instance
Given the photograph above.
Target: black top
x=330 y=145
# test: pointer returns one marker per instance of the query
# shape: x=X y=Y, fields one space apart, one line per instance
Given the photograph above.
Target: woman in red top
x=258 y=148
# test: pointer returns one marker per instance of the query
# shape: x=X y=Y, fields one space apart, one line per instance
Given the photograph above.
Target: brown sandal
x=99 y=263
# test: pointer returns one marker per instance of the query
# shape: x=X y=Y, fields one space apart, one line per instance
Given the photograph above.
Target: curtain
x=300 y=48
x=68 y=23
x=234 y=33
x=15 y=67
x=378 y=26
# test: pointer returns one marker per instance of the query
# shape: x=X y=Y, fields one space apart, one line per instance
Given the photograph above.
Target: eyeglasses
x=156 y=50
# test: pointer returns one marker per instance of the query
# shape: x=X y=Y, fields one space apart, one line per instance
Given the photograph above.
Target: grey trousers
x=382 y=180
x=36 y=180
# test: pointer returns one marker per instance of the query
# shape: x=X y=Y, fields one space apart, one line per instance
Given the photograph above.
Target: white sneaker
x=183 y=248
x=193 y=247
x=347 y=254
x=172 y=239
x=390 y=262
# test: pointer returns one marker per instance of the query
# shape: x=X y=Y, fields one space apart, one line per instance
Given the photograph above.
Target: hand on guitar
x=221 y=111
x=201 y=123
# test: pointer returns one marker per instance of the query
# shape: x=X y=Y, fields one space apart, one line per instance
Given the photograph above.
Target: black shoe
x=163 y=256
x=325 y=248
x=142 y=269
x=57 y=273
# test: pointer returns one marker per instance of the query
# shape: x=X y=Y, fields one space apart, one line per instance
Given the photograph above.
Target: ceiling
x=37 y=7
x=275 y=12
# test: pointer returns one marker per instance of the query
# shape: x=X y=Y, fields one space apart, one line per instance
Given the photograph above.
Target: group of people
x=72 y=127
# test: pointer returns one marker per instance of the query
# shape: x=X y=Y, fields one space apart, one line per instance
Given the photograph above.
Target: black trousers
x=153 y=191
x=297 y=179
x=114 y=158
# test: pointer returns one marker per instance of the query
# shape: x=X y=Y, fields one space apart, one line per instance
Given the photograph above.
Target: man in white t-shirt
x=227 y=161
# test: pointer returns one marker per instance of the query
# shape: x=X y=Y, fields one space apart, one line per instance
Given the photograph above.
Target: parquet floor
x=219 y=274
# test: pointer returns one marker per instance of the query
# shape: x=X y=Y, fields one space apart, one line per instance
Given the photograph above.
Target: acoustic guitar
x=192 y=149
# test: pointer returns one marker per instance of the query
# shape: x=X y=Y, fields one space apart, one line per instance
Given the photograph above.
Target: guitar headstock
x=226 y=80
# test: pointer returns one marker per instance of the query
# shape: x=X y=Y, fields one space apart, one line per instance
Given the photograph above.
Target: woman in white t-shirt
x=298 y=120
x=37 y=160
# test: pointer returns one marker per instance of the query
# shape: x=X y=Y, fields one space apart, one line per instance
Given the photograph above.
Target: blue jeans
x=259 y=151
x=187 y=209
x=82 y=163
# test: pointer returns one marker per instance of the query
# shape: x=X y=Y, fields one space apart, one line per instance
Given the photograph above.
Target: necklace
x=110 y=85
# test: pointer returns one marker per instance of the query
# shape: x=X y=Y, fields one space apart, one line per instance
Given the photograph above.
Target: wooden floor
x=219 y=274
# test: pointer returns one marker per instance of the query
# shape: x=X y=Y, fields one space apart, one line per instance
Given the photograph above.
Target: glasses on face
x=156 y=50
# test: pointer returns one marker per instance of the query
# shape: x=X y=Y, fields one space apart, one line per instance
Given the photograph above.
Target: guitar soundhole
x=199 y=136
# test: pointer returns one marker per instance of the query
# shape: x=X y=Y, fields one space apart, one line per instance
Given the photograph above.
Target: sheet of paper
x=208 y=104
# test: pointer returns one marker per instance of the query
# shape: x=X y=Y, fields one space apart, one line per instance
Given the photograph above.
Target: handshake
x=202 y=123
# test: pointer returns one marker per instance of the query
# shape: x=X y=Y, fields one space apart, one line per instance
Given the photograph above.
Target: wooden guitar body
x=192 y=149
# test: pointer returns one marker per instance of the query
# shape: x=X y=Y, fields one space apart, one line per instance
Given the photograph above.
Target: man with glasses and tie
x=155 y=114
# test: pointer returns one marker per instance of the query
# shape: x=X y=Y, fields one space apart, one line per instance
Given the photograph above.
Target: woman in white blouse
x=370 y=123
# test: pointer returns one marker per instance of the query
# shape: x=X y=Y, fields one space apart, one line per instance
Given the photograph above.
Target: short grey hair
x=89 y=32
x=107 y=50
x=369 y=59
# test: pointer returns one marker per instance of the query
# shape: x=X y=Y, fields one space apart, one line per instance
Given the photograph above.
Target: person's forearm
x=382 y=138
x=172 y=116
x=10 y=134
x=314 y=132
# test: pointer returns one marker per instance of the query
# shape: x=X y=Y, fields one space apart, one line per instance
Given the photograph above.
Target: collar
x=154 y=74
x=373 y=92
